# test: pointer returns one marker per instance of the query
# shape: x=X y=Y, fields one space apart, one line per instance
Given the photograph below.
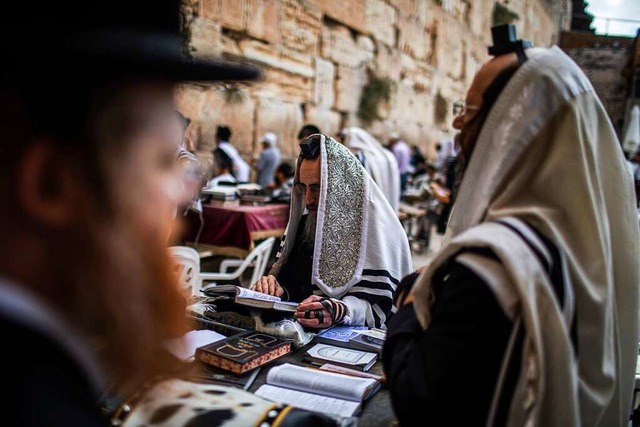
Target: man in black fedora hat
x=89 y=196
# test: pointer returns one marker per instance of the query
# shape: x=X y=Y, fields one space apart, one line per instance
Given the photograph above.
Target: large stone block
x=339 y=46
x=282 y=118
x=407 y=103
x=366 y=49
x=349 y=87
x=300 y=26
x=229 y=46
x=232 y=14
x=413 y=38
x=278 y=83
x=291 y=61
x=380 y=21
x=351 y=13
x=480 y=16
x=460 y=11
x=206 y=39
x=327 y=120
x=324 y=93
x=449 y=50
x=416 y=74
x=263 y=19
x=189 y=101
x=209 y=9
x=388 y=61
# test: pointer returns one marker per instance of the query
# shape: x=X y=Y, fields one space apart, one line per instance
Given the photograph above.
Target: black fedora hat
x=46 y=37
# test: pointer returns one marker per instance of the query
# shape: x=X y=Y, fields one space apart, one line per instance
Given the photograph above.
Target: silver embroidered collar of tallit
x=343 y=216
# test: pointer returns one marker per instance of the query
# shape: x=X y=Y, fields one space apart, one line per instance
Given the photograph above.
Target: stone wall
x=604 y=60
x=317 y=56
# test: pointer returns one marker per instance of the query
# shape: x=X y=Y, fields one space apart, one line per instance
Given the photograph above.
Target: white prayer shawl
x=378 y=161
x=361 y=250
x=547 y=155
x=241 y=168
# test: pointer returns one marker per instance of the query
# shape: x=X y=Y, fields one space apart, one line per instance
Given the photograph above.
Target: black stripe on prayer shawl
x=383 y=303
x=385 y=273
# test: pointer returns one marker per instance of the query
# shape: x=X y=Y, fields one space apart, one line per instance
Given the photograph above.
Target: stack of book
x=352 y=337
x=221 y=192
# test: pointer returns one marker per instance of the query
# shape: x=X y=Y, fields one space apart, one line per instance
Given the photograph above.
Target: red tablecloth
x=238 y=226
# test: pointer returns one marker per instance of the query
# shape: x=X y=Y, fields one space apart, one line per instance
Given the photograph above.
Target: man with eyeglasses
x=532 y=303
x=345 y=250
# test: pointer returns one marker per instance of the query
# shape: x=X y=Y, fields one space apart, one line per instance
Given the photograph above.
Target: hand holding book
x=268 y=285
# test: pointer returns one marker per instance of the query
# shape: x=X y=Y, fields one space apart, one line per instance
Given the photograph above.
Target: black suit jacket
x=43 y=383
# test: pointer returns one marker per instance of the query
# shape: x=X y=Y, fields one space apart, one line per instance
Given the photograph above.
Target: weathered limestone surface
x=317 y=56
x=604 y=66
x=283 y=118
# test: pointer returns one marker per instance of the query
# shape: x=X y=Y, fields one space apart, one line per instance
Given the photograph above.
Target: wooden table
x=233 y=230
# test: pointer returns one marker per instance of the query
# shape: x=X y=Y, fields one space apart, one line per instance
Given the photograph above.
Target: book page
x=309 y=401
x=319 y=382
x=248 y=293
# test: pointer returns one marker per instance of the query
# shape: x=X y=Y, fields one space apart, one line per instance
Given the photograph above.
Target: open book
x=250 y=298
x=316 y=390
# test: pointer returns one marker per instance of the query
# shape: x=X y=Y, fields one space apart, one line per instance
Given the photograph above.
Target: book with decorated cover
x=360 y=360
x=243 y=352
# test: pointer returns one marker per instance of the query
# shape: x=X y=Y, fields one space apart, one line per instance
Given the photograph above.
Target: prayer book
x=245 y=296
x=243 y=352
x=339 y=335
x=368 y=340
x=360 y=360
x=316 y=390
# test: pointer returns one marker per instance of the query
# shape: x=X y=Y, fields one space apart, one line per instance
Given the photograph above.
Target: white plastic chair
x=187 y=268
x=257 y=258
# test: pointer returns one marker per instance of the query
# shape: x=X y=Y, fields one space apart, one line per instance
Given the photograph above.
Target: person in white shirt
x=241 y=168
x=224 y=167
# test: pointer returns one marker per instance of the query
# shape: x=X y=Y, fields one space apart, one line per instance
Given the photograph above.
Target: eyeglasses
x=460 y=108
x=314 y=188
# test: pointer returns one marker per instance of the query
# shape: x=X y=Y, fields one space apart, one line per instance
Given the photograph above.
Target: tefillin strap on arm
x=506 y=41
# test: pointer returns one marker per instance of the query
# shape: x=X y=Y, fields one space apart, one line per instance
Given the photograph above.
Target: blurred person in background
x=241 y=169
x=268 y=161
x=402 y=151
x=307 y=130
x=377 y=160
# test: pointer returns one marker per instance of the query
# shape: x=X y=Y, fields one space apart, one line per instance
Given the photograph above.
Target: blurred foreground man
x=529 y=314
x=89 y=196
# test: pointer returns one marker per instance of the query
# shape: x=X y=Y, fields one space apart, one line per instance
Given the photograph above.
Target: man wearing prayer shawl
x=531 y=307
x=377 y=160
x=344 y=250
